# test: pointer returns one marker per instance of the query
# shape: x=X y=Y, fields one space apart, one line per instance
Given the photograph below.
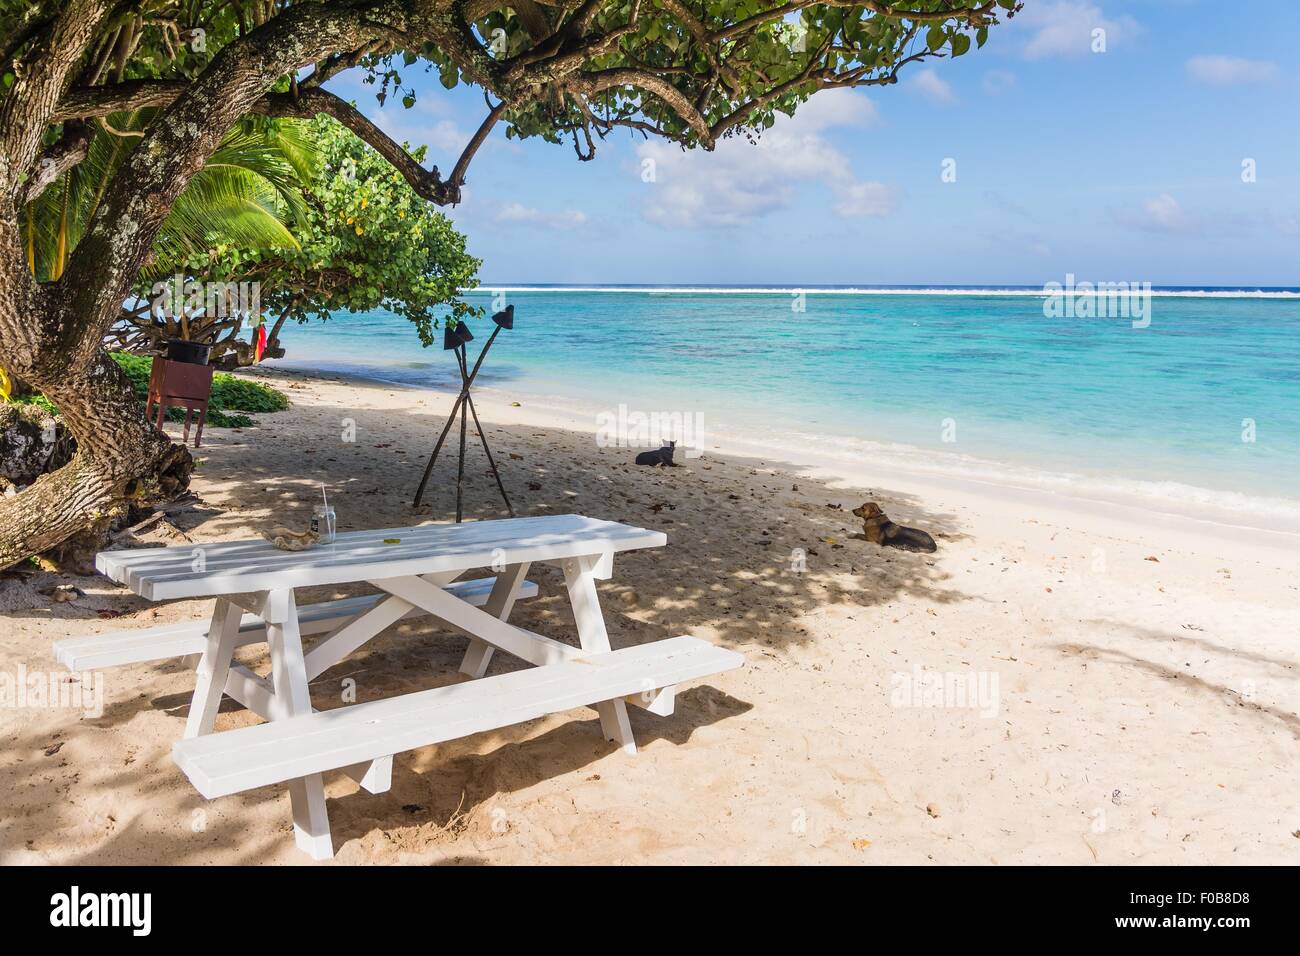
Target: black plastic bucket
x=193 y=353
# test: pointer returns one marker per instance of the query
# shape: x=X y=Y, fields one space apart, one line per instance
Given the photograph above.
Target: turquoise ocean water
x=968 y=381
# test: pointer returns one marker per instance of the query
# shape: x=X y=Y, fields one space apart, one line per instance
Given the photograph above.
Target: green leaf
x=960 y=44
x=935 y=37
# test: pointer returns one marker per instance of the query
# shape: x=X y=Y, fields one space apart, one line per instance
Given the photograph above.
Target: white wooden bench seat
x=179 y=640
x=296 y=747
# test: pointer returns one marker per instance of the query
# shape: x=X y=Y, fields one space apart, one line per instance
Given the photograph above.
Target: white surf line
x=814 y=290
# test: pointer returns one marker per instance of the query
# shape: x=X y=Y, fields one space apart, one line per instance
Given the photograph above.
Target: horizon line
x=1166 y=291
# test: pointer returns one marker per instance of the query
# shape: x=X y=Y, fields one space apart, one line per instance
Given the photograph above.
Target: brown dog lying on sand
x=878 y=529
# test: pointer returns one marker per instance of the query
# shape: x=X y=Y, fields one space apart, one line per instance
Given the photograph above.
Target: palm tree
x=248 y=193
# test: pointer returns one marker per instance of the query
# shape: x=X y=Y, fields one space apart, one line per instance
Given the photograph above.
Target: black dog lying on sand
x=660 y=456
x=878 y=529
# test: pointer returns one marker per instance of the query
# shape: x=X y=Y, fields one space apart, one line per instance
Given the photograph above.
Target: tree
x=244 y=193
x=361 y=239
x=692 y=71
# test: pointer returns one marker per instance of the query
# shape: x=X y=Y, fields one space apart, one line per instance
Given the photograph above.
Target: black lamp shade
x=463 y=333
x=505 y=318
x=450 y=340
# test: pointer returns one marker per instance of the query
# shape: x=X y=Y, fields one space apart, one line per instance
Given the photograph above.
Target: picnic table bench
x=413 y=569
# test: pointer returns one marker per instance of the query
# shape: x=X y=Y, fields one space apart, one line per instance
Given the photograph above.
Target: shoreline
x=1273 y=527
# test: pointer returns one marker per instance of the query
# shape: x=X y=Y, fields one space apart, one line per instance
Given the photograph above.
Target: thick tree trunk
x=121 y=459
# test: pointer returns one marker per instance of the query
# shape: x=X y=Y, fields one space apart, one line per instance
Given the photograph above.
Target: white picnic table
x=414 y=571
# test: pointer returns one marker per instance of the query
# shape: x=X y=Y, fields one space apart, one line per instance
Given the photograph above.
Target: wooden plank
x=469 y=535
x=356 y=632
x=210 y=676
x=471 y=621
x=373 y=777
x=657 y=700
x=311 y=826
x=251 y=757
x=249 y=566
x=505 y=592
x=115 y=649
x=580 y=579
x=252 y=691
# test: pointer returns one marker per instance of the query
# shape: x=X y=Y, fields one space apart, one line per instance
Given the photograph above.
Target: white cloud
x=929 y=85
x=1161 y=214
x=421 y=125
x=1230 y=70
x=1065 y=28
x=996 y=82
x=518 y=213
x=865 y=200
x=741 y=181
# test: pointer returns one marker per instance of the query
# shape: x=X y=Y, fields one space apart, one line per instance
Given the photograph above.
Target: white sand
x=1145 y=710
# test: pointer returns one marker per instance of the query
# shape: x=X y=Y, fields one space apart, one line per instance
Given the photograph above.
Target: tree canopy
x=359 y=238
x=691 y=71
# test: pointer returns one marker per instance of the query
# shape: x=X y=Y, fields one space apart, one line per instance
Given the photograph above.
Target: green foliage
x=767 y=74
x=36 y=399
x=365 y=240
x=245 y=194
x=229 y=394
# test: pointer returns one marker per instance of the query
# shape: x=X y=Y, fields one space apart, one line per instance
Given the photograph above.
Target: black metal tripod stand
x=454 y=340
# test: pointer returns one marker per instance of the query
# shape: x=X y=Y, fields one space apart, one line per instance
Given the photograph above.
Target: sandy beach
x=1136 y=692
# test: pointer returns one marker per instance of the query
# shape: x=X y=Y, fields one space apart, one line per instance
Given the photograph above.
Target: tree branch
x=70 y=150
x=121 y=233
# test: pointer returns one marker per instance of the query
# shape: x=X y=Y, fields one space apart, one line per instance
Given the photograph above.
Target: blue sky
x=1122 y=165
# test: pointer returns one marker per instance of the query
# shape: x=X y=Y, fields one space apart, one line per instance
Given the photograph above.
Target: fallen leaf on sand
x=1152 y=558
x=392 y=541
x=861 y=844
x=51 y=750
x=932 y=809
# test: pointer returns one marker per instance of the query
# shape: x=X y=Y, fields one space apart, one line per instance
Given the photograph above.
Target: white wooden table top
x=236 y=567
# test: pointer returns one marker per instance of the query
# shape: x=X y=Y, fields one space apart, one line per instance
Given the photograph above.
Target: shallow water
x=969 y=381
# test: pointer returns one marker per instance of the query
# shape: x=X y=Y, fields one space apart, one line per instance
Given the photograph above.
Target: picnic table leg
x=499 y=604
x=311 y=826
x=580 y=579
x=213 y=666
